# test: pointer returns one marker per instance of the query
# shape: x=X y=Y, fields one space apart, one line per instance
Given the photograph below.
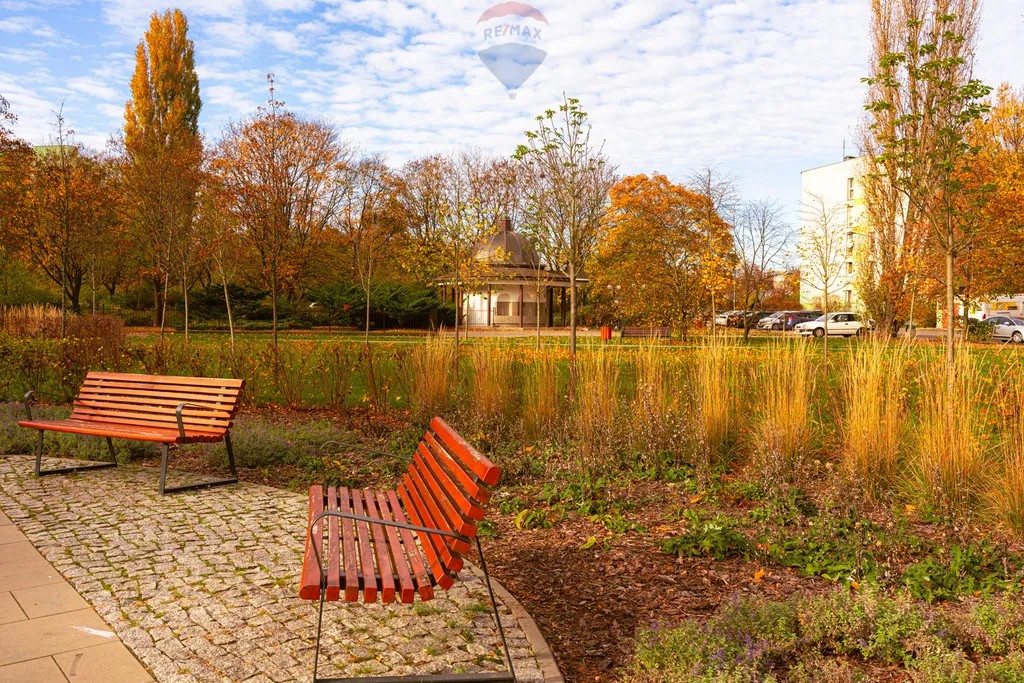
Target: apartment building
x=837 y=190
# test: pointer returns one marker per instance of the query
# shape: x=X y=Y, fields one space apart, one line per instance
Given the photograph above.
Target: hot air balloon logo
x=512 y=34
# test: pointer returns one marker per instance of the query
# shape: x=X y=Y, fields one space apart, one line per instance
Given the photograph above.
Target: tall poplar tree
x=163 y=149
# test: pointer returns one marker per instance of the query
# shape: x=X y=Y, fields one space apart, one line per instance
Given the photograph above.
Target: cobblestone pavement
x=202 y=586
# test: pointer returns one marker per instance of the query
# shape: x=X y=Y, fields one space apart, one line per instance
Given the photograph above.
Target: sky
x=762 y=89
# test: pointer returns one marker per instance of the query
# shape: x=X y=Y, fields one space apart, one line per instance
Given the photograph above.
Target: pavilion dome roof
x=506 y=247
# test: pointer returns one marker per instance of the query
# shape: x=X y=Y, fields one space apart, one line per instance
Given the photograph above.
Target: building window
x=849 y=189
x=849 y=298
x=849 y=268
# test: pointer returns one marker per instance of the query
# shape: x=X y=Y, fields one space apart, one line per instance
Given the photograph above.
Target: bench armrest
x=177 y=414
x=28 y=404
x=372 y=520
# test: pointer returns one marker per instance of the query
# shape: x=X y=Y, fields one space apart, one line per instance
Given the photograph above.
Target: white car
x=839 y=325
x=722 y=319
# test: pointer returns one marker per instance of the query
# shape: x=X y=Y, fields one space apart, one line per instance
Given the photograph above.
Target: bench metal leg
x=164 y=489
x=495 y=677
x=40 y=472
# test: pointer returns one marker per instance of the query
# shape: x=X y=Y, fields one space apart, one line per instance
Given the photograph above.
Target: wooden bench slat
x=332 y=548
x=124 y=423
x=441 y=499
x=399 y=560
x=466 y=506
x=430 y=551
x=419 y=570
x=162 y=419
x=434 y=511
x=348 y=548
x=468 y=482
x=365 y=551
x=437 y=550
x=131 y=388
x=468 y=456
x=116 y=430
x=309 y=588
x=153 y=407
x=380 y=547
x=219 y=400
x=167 y=379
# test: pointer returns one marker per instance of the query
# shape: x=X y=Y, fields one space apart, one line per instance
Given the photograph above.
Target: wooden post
x=488 y=305
x=521 y=324
x=551 y=307
x=563 y=306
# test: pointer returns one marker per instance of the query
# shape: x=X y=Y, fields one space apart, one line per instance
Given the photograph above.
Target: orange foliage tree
x=655 y=252
x=15 y=169
x=285 y=176
x=162 y=153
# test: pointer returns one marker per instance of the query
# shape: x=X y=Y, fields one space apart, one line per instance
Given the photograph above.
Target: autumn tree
x=220 y=229
x=162 y=149
x=69 y=207
x=372 y=222
x=926 y=101
x=16 y=159
x=760 y=236
x=719 y=201
x=285 y=176
x=655 y=251
x=823 y=250
x=573 y=178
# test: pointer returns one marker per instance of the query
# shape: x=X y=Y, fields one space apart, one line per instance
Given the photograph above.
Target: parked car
x=787 y=320
x=1004 y=328
x=844 y=324
x=738 y=318
x=774 y=321
x=722 y=319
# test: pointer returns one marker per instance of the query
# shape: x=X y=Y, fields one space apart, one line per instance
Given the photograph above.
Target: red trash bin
x=606 y=333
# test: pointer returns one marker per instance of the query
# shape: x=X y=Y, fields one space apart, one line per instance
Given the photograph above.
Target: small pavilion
x=518 y=288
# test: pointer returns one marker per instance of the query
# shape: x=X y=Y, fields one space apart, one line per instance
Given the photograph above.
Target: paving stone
x=201 y=587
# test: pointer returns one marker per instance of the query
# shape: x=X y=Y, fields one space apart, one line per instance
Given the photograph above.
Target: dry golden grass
x=493 y=401
x=875 y=419
x=431 y=372
x=597 y=409
x=782 y=433
x=1006 y=491
x=541 y=399
x=717 y=396
x=30 y=319
x=951 y=462
x=655 y=417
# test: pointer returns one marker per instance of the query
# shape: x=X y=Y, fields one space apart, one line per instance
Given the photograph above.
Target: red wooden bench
x=154 y=408
x=394 y=545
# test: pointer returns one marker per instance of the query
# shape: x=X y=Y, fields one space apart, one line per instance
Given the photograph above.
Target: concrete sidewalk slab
x=10 y=534
x=10 y=611
x=35 y=671
x=109 y=662
x=42 y=601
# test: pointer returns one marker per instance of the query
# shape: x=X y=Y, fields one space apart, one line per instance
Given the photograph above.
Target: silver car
x=1005 y=328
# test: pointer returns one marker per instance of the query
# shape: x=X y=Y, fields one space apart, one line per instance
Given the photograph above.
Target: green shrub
x=714 y=538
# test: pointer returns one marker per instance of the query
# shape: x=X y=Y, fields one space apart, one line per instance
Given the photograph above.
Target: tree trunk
x=227 y=302
x=572 y=328
x=156 y=302
x=367 y=335
x=63 y=304
x=950 y=347
x=184 y=294
x=163 y=309
x=273 y=302
x=92 y=285
x=824 y=309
